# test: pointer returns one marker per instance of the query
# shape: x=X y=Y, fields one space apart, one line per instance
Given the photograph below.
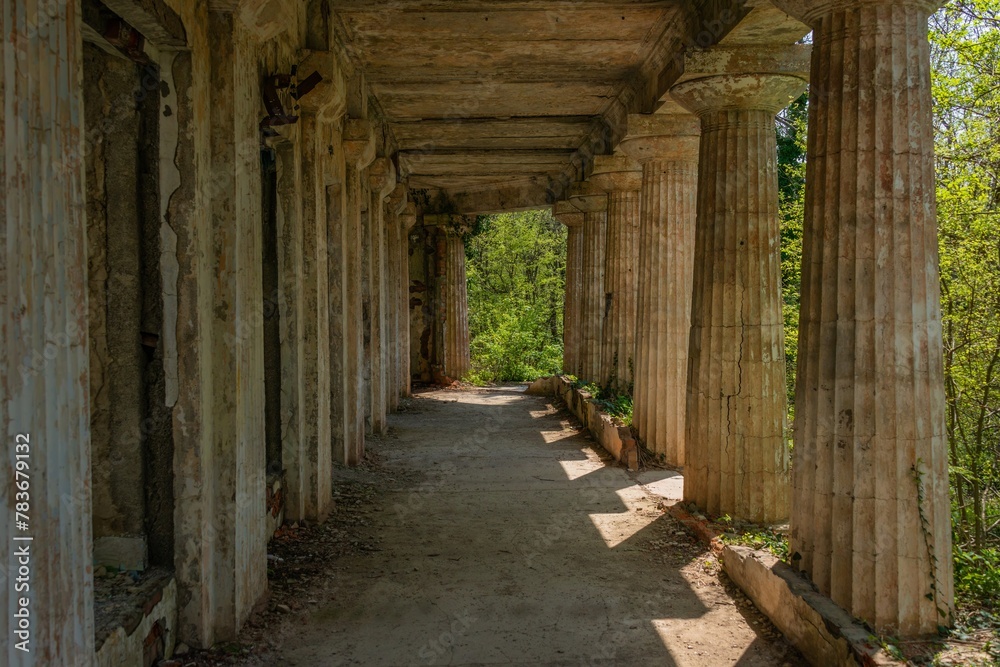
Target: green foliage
x=756 y=537
x=965 y=53
x=977 y=576
x=792 y=126
x=516 y=271
x=617 y=405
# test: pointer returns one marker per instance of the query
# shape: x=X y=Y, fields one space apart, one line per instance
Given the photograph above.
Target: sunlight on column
x=620 y=526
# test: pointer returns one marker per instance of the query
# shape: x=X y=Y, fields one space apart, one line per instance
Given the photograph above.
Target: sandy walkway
x=511 y=542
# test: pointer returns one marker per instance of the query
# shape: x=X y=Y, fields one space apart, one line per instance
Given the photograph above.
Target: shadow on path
x=513 y=542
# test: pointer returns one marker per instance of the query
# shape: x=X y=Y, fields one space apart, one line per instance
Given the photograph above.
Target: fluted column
x=621 y=178
x=569 y=216
x=456 y=307
x=306 y=170
x=667 y=148
x=395 y=205
x=381 y=181
x=407 y=219
x=359 y=151
x=306 y=453
x=870 y=515
x=44 y=364
x=593 y=203
x=237 y=536
x=736 y=458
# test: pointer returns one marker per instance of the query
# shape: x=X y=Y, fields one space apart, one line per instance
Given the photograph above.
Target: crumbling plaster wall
x=115 y=307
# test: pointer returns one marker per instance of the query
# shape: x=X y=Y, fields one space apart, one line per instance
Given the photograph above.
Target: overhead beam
x=505 y=198
x=494 y=97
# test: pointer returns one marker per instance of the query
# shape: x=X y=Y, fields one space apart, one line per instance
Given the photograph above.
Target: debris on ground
x=302 y=564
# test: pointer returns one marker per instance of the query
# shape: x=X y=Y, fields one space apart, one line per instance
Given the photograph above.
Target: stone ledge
x=617 y=440
x=143 y=627
x=823 y=632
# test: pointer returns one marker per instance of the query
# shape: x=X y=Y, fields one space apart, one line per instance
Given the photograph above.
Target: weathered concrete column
x=667 y=147
x=621 y=178
x=407 y=219
x=44 y=365
x=870 y=513
x=736 y=459
x=305 y=173
x=305 y=353
x=395 y=205
x=381 y=181
x=594 y=204
x=359 y=151
x=239 y=542
x=457 y=361
x=453 y=293
x=570 y=216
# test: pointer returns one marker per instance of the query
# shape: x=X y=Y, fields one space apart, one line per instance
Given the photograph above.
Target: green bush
x=977 y=576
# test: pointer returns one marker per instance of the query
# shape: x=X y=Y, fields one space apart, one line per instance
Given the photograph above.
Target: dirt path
x=506 y=539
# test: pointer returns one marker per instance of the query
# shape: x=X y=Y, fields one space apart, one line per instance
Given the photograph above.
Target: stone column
x=568 y=215
x=736 y=459
x=237 y=535
x=407 y=219
x=667 y=148
x=306 y=455
x=456 y=307
x=305 y=171
x=871 y=515
x=394 y=206
x=621 y=178
x=359 y=151
x=381 y=180
x=594 y=204
x=43 y=341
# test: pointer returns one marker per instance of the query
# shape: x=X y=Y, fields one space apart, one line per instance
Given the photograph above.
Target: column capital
x=588 y=198
x=670 y=137
x=328 y=99
x=382 y=176
x=397 y=199
x=359 y=142
x=811 y=11
x=739 y=92
x=408 y=217
x=451 y=223
x=616 y=173
x=567 y=214
x=265 y=18
x=742 y=78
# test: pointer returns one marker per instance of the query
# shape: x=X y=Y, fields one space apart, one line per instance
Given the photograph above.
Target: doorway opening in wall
x=516 y=271
x=131 y=421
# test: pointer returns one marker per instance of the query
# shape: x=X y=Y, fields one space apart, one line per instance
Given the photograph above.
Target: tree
x=965 y=40
x=516 y=265
x=791 y=130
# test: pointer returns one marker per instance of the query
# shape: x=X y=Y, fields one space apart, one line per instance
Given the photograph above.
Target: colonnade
x=868 y=492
